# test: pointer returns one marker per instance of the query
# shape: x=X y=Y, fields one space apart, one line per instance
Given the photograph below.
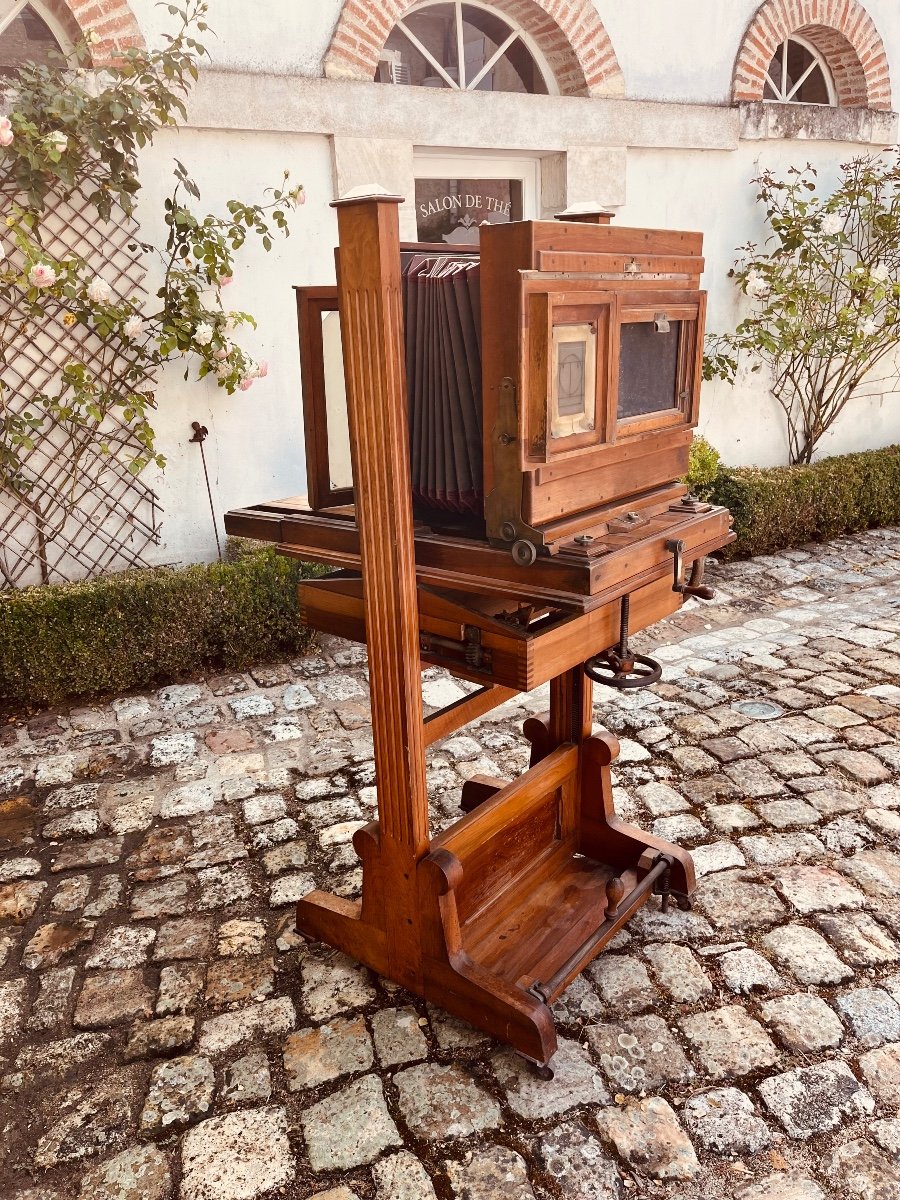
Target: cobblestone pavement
x=163 y=1032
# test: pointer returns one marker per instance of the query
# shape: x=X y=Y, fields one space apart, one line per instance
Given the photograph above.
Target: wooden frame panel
x=312 y=303
x=689 y=308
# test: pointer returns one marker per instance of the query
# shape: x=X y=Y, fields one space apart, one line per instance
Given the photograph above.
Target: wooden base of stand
x=514 y=900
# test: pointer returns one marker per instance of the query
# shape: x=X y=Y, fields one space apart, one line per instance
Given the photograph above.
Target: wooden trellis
x=84 y=513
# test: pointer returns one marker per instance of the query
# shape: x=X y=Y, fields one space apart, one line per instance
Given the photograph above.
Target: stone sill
x=813 y=122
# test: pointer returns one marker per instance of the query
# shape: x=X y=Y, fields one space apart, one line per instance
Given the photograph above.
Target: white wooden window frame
x=780 y=87
x=446 y=164
x=462 y=83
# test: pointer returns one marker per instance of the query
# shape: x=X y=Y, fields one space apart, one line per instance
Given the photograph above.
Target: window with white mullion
x=803 y=78
x=427 y=55
x=466 y=45
x=460 y=46
x=9 y=10
x=495 y=58
x=798 y=74
x=29 y=34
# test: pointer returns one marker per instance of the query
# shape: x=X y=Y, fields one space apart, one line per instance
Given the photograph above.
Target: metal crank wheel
x=618 y=667
x=635 y=671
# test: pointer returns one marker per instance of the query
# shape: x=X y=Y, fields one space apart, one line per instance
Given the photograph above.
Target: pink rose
x=6 y=132
x=41 y=276
x=262 y=369
x=224 y=280
x=220 y=353
x=246 y=384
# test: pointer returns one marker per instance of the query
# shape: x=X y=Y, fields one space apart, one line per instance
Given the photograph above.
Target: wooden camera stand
x=494 y=917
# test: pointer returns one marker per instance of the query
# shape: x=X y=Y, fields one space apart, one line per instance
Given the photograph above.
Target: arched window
x=26 y=36
x=465 y=46
x=798 y=74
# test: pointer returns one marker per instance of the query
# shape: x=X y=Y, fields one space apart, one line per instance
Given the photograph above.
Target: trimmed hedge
x=775 y=508
x=143 y=627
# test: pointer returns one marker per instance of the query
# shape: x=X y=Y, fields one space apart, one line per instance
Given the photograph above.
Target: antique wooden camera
x=518 y=419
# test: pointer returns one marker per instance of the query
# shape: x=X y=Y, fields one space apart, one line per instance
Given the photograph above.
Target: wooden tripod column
x=372 y=330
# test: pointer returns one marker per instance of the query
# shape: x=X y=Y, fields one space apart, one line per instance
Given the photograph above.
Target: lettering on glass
x=453 y=210
x=573 y=380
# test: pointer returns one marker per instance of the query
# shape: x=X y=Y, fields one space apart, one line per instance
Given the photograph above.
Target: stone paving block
x=398 y=1036
x=729 y=1042
x=818 y=889
x=807 y=955
x=678 y=972
x=180 y=987
x=266 y=1019
x=172 y=749
x=350 y=1127
x=881 y=1071
x=735 y=903
x=639 y=1054
x=122 y=946
x=492 y=1173
x=732 y=818
x=871 y=1013
x=315 y=1056
x=724 y=1121
x=623 y=983
x=576 y=1159
x=859 y=765
x=222 y=886
x=12 y=1008
x=817 y=1099
x=88 y=1120
x=646 y=1134
x=19 y=901
x=334 y=985
x=782 y=1186
x=95 y=853
x=863 y=1173
x=746 y=971
x=153 y=1039
x=717 y=856
x=887 y=1134
x=876 y=871
x=439 y=1102
x=452 y=1033
x=803 y=1022
x=578 y=1005
x=49 y=1008
x=111 y=997
x=141 y=1173
x=575 y=1081
x=402 y=1177
x=686 y=928
x=237 y=1157
x=779 y=849
x=661 y=800
x=231 y=981
x=247 y=1080
x=179 y=1091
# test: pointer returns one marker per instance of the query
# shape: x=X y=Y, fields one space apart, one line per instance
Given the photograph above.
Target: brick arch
x=569 y=34
x=843 y=33
x=112 y=20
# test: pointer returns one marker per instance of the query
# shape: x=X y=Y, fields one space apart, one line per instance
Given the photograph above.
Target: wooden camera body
x=519 y=420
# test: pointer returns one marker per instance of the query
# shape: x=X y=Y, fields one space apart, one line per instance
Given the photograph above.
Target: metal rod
x=545 y=991
x=200 y=435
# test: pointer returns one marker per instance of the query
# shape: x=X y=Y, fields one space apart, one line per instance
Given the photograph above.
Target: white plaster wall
x=710 y=191
x=262 y=110
x=255 y=446
x=682 y=51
